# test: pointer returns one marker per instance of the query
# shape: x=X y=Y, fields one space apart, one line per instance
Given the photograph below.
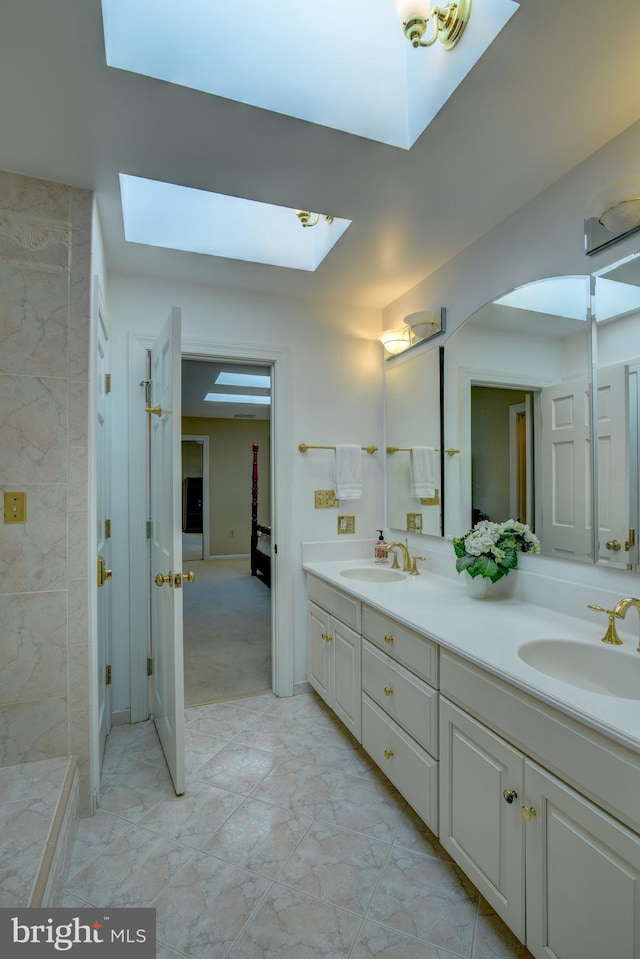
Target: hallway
x=289 y=844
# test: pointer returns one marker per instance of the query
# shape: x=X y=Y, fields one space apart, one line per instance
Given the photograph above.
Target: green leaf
x=510 y=560
x=465 y=562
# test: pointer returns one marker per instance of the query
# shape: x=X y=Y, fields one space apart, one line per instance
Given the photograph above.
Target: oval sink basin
x=373 y=574
x=598 y=668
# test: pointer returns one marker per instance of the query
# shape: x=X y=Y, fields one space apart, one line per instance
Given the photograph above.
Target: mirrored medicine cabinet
x=539 y=392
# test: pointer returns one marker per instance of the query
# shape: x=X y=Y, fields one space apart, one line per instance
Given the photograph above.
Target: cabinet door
x=347 y=697
x=320 y=652
x=481 y=828
x=583 y=876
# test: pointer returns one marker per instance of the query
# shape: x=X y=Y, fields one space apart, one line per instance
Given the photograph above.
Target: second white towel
x=348 y=472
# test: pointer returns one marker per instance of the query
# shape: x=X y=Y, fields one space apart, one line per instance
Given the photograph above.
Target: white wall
x=336 y=397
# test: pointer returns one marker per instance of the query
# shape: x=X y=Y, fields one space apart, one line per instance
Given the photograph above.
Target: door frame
x=278 y=357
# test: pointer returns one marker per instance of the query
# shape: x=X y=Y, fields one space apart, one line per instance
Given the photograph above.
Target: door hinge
x=149 y=528
x=107 y=529
x=107 y=675
x=107 y=382
x=631 y=542
x=149 y=667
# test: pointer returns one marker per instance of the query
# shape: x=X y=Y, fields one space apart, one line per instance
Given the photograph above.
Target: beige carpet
x=227 y=632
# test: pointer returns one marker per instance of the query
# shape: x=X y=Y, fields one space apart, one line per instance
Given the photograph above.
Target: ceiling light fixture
x=306 y=218
x=448 y=22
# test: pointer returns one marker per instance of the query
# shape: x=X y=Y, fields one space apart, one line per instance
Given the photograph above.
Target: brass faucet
x=620 y=610
x=406 y=561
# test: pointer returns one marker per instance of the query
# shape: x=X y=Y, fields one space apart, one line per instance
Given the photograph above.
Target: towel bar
x=303 y=447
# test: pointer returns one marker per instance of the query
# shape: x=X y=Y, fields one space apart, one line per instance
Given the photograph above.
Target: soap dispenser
x=380 y=550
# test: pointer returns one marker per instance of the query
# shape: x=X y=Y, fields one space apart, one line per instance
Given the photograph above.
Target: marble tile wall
x=45 y=275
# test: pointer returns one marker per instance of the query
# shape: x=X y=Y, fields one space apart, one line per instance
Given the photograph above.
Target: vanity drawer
x=403 y=696
x=414 y=651
x=343 y=607
x=412 y=771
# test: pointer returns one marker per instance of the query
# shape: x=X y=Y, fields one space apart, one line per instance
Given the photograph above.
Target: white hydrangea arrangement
x=491 y=549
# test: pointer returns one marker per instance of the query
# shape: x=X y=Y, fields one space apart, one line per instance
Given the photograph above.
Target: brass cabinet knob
x=388 y=690
x=614 y=544
x=388 y=639
x=510 y=795
x=327 y=636
x=529 y=812
x=388 y=753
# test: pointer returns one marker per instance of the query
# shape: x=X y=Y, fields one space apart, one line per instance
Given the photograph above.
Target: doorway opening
x=226 y=498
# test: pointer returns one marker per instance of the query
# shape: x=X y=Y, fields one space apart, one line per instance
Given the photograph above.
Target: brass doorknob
x=529 y=812
x=180 y=578
x=161 y=580
x=614 y=545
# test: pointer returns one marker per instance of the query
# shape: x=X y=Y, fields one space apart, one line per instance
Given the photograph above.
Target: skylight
x=250 y=52
x=258 y=380
x=181 y=218
x=256 y=399
x=558 y=296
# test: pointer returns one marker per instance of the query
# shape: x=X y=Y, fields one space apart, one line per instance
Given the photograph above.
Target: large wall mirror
x=414 y=443
x=518 y=406
x=617 y=356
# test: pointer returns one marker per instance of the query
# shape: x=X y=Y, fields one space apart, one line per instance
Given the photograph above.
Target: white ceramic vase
x=477 y=586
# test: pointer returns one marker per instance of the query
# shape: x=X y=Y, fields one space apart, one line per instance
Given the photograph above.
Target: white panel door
x=613 y=491
x=582 y=876
x=566 y=469
x=166 y=547
x=103 y=518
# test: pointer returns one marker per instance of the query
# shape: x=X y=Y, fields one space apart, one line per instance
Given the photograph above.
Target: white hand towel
x=348 y=472
x=425 y=471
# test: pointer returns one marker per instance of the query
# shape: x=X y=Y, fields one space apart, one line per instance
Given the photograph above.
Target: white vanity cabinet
x=561 y=870
x=400 y=709
x=334 y=651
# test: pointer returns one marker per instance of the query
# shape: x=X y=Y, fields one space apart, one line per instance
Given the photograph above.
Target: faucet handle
x=395 y=564
x=611 y=637
x=414 y=569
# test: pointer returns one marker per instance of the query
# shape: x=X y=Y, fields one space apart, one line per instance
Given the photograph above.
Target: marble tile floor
x=289 y=844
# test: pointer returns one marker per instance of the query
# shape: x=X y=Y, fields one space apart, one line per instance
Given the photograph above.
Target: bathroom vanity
x=531 y=782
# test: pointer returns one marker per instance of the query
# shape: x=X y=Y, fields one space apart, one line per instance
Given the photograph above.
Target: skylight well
x=196 y=221
x=250 y=52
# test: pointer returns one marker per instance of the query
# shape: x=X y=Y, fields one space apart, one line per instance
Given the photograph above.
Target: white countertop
x=489 y=633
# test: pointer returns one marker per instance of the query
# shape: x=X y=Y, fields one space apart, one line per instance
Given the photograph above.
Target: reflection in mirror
x=413 y=438
x=617 y=313
x=518 y=405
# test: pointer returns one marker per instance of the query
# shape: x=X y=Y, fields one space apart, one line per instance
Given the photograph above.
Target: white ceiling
x=553 y=87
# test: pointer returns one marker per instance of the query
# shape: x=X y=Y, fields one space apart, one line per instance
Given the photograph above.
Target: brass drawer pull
x=388 y=639
x=388 y=753
x=327 y=636
x=529 y=812
x=510 y=795
x=388 y=690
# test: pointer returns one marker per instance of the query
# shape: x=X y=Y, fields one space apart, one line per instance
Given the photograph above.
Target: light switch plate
x=346 y=524
x=326 y=499
x=15 y=507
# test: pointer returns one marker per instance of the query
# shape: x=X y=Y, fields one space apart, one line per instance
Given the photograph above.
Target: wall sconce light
x=307 y=219
x=613 y=214
x=396 y=341
x=622 y=216
x=448 y=22
x=417 y=328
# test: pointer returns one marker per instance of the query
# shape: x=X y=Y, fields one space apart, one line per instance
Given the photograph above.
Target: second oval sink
x=372 y=574
x=600 y=669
